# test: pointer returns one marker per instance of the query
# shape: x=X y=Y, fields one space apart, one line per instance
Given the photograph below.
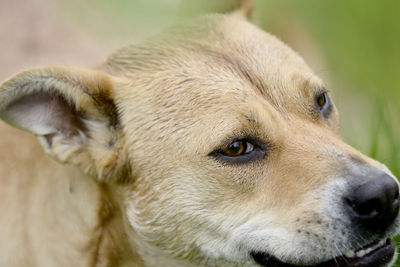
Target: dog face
x=221 y=148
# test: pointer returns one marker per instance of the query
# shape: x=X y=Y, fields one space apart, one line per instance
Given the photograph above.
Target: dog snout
x=375 y=203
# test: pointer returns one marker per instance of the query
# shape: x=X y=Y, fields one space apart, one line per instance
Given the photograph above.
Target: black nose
x=375 y=203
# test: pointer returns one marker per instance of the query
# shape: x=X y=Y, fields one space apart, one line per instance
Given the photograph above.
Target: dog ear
x=190 y=8
x=244 y=8
x=72 y=112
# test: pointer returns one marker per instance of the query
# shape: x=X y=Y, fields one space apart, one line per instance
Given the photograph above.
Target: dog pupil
x=321 y=100
x=236 y=148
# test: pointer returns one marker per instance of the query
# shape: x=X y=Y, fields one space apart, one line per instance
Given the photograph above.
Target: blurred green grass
x=353 y=44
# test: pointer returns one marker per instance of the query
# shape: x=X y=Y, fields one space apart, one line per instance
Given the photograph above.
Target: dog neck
x=112 y=234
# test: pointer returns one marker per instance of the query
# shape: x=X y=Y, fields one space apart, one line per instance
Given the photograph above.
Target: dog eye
x=321 y=100
x=323 y=103
x=238 y=148
x=240 y=151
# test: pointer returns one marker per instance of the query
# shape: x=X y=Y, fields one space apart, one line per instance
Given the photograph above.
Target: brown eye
x=238 y=148
x=240 y=151
x=321 y=100
x=323 y=104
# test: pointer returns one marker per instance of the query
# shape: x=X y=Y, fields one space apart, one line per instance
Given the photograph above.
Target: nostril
x=365 y=208
x=396 y=200
x=396 y=195
x=375 y=203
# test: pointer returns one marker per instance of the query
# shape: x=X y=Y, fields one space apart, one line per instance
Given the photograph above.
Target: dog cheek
x=185 y=214
x=163 y=217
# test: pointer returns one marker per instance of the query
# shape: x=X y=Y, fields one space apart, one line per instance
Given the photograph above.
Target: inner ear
x=46 y=114
x=73 y=114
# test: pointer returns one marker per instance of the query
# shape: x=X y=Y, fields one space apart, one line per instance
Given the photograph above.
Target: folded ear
x=244 y=8
x=190 y=8
x=72 y=111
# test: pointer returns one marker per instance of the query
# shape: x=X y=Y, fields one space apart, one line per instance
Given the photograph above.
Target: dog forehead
x=220 y=48
x=270 y=67
x=217 y=65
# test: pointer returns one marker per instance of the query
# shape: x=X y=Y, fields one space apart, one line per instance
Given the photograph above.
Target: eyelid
x=321 y=91
x=244 y=138
x=256 y=154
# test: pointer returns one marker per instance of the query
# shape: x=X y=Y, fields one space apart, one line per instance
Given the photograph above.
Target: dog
x=211 y=144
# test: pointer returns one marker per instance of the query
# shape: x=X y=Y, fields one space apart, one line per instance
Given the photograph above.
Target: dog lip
x=380 y=256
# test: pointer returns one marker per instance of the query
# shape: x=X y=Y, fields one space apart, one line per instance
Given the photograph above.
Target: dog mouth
x=376 y=254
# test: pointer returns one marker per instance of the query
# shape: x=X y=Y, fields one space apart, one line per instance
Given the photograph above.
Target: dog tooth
x=381 y=243
x=368 y=250
x=361 y=253
x=350 y=254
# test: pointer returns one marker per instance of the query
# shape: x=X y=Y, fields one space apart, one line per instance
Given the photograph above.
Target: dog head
x=221 y=146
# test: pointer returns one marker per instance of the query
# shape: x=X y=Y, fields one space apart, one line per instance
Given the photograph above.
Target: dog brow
x=311 y=85
x=239 y=68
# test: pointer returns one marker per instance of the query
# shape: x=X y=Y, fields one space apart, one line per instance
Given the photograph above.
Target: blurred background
x=354 y=45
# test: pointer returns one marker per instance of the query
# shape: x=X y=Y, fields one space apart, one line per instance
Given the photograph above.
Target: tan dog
x=210 y=145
